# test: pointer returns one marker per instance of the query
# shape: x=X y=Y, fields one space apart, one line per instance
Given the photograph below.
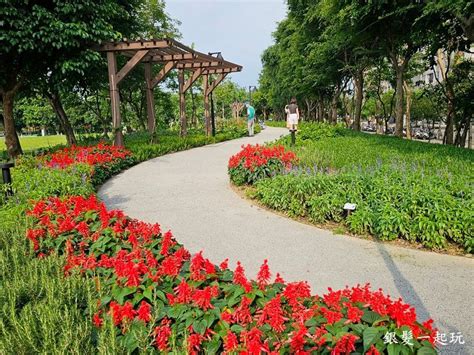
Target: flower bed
x=420 y=193
x=105 y=160
x=159 y=296
x=255 y=162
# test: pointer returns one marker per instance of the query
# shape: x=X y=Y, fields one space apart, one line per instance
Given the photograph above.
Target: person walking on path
x=250 y=119
x=293 y=115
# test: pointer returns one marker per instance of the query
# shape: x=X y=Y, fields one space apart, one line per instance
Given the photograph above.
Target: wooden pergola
x=171 y=55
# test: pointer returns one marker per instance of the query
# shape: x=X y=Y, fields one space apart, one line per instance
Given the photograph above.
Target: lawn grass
x=29 y=143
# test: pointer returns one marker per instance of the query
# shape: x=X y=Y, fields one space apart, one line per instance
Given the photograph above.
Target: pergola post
x=182 y=104
x=114 y=99
x=150 y=100
x=207 y=113
x=171 y=55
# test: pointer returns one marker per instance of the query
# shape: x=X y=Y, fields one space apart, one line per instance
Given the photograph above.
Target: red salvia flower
x=194 y=343
x=242 y=313
x=240 y=278
x=272 y=314
x=345 y=345
x=230 y=342
x=144 y=312
x=167 y=243
x=183 y=292
x=224 y=265
x=279 y=279
x=162 y=335
x=372 y=351
x=96 y=320
x=264 y=275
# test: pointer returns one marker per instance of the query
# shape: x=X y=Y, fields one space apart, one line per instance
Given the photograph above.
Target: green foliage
x=169 y=142
x=315 y=132
x=415 y=191
x=40 y=310
x=31 y=181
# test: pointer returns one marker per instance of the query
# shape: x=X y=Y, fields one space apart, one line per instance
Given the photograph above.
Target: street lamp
x=218 y=55
x=251 y=88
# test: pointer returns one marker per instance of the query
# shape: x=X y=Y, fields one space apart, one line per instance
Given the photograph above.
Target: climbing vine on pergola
x=171 y=55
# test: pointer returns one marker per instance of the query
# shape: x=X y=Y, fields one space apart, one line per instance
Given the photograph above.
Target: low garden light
x=349 y=208
x=293 y=135
x=7 y=177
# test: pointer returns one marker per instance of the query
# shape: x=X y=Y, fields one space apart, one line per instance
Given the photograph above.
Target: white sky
x=240 y=29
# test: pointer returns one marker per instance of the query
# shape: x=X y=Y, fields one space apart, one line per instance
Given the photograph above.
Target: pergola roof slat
x=165 y=50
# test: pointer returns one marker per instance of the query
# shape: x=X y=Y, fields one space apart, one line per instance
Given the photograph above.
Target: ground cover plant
x=415 y=191
x=111 y=284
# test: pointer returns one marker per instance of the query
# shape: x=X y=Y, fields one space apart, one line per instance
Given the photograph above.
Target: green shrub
x=415 y=191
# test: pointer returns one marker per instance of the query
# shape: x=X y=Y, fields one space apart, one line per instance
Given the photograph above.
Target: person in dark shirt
x=293 y=115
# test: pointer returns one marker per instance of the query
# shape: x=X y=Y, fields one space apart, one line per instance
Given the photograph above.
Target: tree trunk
x=359 y=95
x=11 y=137
x=333 y=116
x=443 y=64
x=399 y=102
x=408 y=109
x=449 y=133
x=56 y=104
x=469 y=137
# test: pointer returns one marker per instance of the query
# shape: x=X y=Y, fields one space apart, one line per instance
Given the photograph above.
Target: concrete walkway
x=189 y=193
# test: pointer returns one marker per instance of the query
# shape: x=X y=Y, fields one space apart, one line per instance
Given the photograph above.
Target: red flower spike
x=144 y=312
x=230 y=342
x=264 y=275
x=97 y=321
x=224 y=265
x=162 y=335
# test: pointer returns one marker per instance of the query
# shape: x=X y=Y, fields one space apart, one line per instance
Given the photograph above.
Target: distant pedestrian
x=292 y=115
x=250 y=119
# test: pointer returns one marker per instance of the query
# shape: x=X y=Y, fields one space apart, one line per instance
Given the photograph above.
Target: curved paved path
x=189 y=193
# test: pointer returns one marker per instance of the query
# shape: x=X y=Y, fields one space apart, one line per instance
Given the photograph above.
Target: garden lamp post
x=251 y=88
x=7 y=177
x=213 y=117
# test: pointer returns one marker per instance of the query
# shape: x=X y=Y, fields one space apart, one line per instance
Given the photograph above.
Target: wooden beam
x=114 y=99
x=182 y=104
x=135 y=45
x=192 y=79
x=137 y=57
x=163 y=73
x=223 y=70
x=216 y=82
x=197 y=65
x=168 y=57
x=150 y=99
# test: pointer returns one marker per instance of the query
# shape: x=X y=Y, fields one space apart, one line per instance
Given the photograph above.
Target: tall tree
x=36 y=34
